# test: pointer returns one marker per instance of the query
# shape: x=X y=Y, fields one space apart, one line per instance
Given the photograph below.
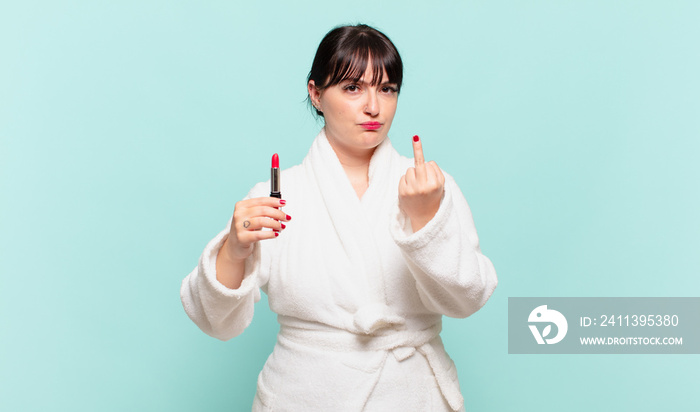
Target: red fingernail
x=283 y=225
x=289 y=217
x=283 y=202
x=416 y=138
x=276 y=234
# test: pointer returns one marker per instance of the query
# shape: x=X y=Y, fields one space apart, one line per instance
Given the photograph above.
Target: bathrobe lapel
x=354 y=219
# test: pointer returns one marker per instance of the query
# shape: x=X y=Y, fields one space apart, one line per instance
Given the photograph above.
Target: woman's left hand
x=421 y=189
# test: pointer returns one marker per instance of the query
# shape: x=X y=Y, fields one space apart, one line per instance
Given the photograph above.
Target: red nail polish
x=283 y=225
x=416 y=138
x=276 y=234
x=289 y=217
x=283 y=202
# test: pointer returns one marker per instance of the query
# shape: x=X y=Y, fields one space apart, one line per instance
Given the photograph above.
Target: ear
x=314 y=93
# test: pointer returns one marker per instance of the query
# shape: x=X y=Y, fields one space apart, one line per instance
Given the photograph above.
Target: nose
x=372 y=104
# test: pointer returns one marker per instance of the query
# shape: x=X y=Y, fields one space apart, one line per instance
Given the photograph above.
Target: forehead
x=372 y=73
x=368 y=77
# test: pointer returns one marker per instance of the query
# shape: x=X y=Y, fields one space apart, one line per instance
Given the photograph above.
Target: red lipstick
x=371 y=125
x=275 y=177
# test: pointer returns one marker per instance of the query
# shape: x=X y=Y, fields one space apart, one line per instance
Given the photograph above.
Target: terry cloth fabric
x=359 y=296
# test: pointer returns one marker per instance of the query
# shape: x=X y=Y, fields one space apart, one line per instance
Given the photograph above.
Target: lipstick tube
x=275 y=177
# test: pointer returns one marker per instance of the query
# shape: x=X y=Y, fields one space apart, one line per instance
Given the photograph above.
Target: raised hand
x=249 y=217
x=421 y=189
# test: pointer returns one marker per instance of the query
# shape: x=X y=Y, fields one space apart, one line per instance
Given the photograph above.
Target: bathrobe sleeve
x=453 y=277
x=219 y=311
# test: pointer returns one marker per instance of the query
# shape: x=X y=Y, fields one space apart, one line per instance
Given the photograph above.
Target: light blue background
x=129 y=129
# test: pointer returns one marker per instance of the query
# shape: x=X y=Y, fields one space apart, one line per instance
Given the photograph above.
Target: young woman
x=380 y=247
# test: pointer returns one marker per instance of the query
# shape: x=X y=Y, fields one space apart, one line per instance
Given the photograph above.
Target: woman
x=379 y=248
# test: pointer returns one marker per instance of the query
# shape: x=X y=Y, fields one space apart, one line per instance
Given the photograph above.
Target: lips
x=371 y=125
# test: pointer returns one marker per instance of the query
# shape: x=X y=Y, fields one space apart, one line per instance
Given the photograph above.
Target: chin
x=373 y=139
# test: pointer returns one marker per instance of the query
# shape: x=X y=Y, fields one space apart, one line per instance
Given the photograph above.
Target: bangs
x=352 y=58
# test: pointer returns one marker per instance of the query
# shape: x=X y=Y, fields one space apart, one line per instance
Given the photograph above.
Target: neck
x=355 y=163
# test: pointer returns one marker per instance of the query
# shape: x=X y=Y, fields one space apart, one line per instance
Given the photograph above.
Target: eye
x=352 y=88
x=389 y=90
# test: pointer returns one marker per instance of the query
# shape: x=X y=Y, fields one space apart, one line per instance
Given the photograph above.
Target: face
x=358 y=115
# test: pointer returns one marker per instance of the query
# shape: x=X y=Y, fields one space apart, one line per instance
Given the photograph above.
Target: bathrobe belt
x=400 y=342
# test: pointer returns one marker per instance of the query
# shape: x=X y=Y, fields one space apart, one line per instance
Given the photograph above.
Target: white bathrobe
x=359 y=296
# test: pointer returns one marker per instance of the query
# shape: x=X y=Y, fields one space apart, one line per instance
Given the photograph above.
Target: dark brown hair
x=344 y=53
